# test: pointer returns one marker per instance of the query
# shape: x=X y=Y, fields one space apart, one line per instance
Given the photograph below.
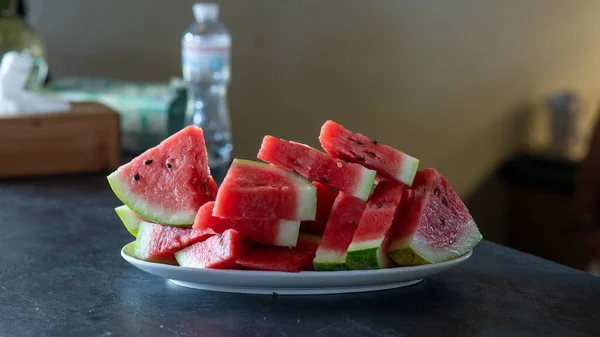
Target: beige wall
x=440 y=80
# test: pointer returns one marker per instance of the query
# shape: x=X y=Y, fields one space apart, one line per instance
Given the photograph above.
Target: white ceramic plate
x=303 y=283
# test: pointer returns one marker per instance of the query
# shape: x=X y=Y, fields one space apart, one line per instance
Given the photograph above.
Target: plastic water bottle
x=205 y=49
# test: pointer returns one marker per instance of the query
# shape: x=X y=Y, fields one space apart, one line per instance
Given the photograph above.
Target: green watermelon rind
x=330 y=266
x=407 y=257
x=415 y=251
x=146 y=210
x=129 y=218
x=307 y=192
x=367 y=255
x=363 y=259
x=408 y=170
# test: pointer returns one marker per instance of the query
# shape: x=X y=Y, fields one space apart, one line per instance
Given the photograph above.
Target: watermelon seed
x=444 y=201
x=436 y=191
x=324 y=181
x=371 y=153
x=136 y=177
x=360 y=158
x=169 y=165
x=375 y=142
x=148 y=162
x=359 y=142
x=380 y=205
x=244 y=241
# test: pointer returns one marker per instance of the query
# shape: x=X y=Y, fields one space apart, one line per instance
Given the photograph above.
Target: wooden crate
x=85 y=139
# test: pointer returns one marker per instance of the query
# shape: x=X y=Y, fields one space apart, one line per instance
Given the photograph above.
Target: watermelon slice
x=277 y=259
x=218 y=252
x=352 y=179
x=130 y=219
x=167 y=184
x=325 y=199
x=434 y=225
x=271 y=232
x=308 y=242
x=343 y=221
x=341 y=143
x=259 y=191
x=369 y=246
x=158 y=243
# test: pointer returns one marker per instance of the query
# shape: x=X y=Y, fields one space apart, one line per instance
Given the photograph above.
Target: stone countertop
x=61 y=275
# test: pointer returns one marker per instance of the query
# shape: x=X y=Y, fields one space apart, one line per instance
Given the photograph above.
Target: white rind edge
x=307 y=201
x=365 y=186
x=144 y=209
x=324 y=255
x=365 y=245
x=144 y=235
x=287 y=234
x=409 y=168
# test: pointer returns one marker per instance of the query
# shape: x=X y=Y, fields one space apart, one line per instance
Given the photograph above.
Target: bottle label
x=202 y=59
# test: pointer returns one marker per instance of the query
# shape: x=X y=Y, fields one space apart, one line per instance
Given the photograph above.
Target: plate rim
x=235 y=272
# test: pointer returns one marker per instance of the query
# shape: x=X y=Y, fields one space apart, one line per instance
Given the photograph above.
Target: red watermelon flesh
x=218 y=252
x=259 y=191
x=341 y=143
x=343 y=221
x=158 y=243
x=168 y=183
x=352 y=179
x=325 y=198
x=308 y=242
x=277 y=259
x=368 y=249
x=271 y=232
x=434 y=224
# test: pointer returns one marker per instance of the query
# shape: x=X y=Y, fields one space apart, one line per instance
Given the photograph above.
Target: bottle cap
x=205 y=11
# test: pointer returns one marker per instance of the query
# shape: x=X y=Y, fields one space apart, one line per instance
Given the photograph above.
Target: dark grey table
x=61 y=275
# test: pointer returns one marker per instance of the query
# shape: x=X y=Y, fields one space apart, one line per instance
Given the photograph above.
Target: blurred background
x=481 y=90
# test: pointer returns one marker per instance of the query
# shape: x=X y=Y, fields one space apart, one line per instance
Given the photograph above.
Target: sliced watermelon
x=325 y=198
x=352 y=179
x=277 y=259
x=259 y=191
x=308 y=242
x=158 y=243
x=271 y=232
x=343 y=221
x=130 y=219
x=167 y=184
x=434 y=225
x=368 y=249
x=218 y=252
x=341 y=143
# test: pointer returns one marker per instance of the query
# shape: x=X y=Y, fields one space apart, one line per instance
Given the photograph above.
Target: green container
x=150 y=112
